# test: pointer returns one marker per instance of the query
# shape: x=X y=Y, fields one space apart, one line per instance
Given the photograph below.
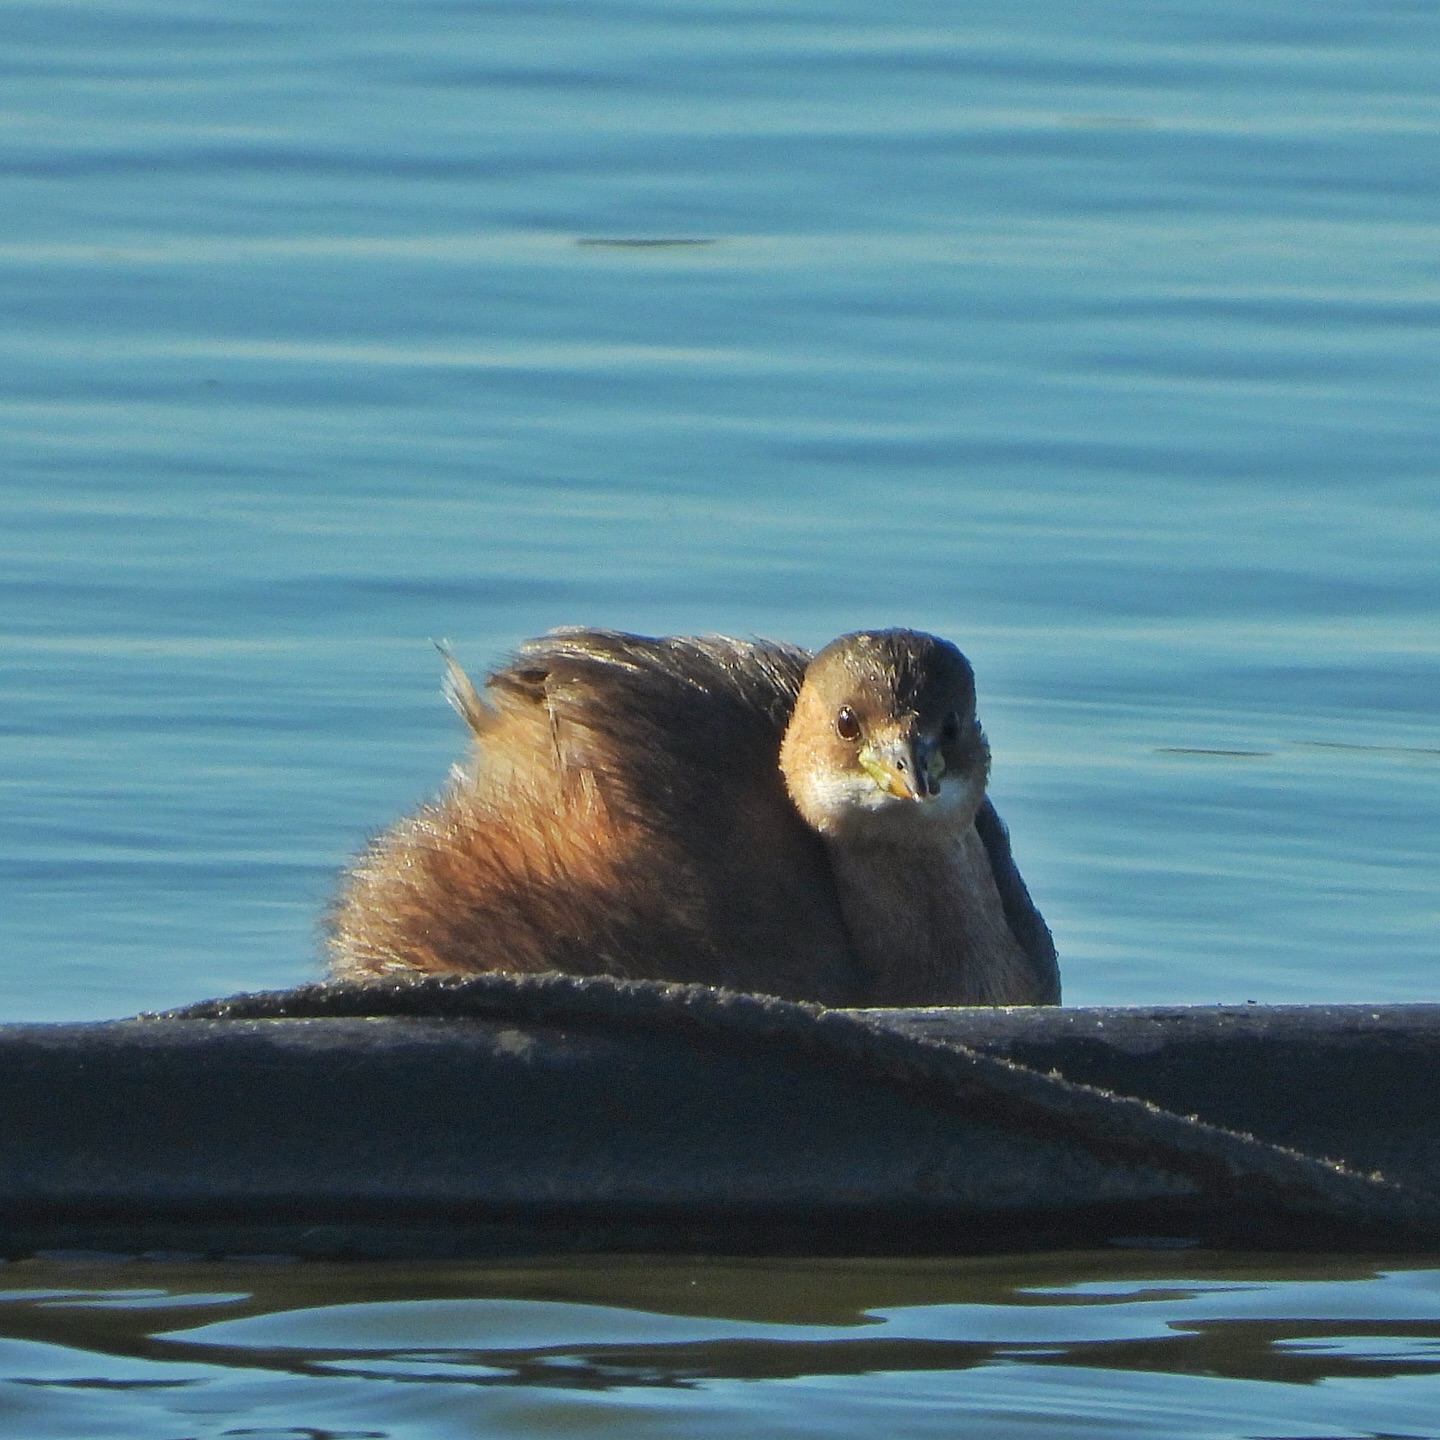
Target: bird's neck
x=927 y=923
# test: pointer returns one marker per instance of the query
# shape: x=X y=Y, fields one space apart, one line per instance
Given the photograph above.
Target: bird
x=736 y=813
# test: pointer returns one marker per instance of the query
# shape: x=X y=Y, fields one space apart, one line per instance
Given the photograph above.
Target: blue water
x=1099 y=337
x=1082 y=1346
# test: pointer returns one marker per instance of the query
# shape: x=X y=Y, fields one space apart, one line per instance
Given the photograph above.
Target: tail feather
x=463 y=697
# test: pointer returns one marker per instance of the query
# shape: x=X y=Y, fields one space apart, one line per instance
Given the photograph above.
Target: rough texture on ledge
x=502 y=1114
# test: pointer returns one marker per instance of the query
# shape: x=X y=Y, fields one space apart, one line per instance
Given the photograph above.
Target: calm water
x=1084 y=1347
x=1100 y=337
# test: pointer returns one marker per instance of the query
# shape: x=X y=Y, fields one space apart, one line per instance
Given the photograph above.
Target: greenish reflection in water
x=1149 y=1343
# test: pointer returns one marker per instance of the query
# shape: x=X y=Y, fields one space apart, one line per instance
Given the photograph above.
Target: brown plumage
x=706 y=809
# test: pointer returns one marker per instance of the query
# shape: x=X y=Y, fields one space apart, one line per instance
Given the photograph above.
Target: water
x=1076 y=1347
x=1099 y=337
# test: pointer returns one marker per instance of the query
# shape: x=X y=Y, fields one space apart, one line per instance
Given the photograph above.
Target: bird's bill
x=901 y=768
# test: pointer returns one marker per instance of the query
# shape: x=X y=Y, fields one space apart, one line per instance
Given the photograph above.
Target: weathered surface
x=501 y=1114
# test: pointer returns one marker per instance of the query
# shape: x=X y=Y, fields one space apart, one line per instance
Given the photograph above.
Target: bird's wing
x=681 y=737
x=1025 y=921
x=684 y=710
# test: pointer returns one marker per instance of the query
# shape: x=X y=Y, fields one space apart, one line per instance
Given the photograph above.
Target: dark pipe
x=504 y=1115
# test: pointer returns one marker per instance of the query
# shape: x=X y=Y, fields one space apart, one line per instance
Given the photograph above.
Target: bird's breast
x=927 y=922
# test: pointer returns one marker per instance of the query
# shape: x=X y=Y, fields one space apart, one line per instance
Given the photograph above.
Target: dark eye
x=847 y=727
x=950 y=730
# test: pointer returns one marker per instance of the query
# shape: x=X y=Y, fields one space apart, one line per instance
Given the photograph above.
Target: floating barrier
x=505 y=1115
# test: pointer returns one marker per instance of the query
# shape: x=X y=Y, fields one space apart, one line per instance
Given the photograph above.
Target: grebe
x=712 y=810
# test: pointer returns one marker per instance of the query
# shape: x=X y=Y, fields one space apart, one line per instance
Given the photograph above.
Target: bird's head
x=884 y=739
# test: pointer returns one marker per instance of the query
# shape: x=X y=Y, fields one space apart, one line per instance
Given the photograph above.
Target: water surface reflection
x=1053 y=1344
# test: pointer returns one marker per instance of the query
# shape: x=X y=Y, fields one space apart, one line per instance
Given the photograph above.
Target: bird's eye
x=847 y=725
x=950 y=730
